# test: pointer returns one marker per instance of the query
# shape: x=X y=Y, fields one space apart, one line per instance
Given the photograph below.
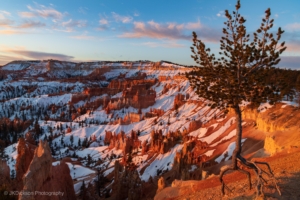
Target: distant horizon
x=111 y=61
x=129 y=31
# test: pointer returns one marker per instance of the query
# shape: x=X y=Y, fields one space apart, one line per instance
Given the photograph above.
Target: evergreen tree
x=79 y=142
x=82 y=192
x=72 y=139
x=239 y=75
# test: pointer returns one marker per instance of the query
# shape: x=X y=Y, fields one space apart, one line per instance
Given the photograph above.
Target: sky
x=113 y=30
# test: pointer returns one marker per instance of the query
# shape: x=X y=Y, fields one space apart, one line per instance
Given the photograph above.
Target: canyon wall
x=280 y=124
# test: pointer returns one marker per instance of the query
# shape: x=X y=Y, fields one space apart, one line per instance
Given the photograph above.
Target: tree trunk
x=238 y=141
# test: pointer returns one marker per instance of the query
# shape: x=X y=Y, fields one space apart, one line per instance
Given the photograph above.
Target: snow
x=108 y=171
x=290 y=103
x=209 y=153
x=199 y=132
x=16 y=66
x=193 y=167
x=12 y=153
x=227 y=137
x=228 y=152
x=78 y=171
x=162 y=162
x=264 y=106
x=94 y=152
x=38 y=76
x=217 y=133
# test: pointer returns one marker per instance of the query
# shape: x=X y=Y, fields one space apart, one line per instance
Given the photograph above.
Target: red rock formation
x=144 y=147
x=179 y=100
x=4 y=173
x=62 y=181
x=161 y=184
x=97 y=91
x=40 y=171
x=194 y=125
x=163 y=78
x=29 y=138
x=40 y=177
x=179 y=77
x=133 y=117
x=25 y=155
x=69 y=130
x=108 y=137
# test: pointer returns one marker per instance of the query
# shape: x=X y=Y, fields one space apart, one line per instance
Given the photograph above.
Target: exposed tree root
x=258 y=171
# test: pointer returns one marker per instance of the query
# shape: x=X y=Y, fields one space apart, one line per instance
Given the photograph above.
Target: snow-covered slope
x=50 y=100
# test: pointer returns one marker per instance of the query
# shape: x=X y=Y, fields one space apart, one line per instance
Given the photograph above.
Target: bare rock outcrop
x=39 y=172
x=194 y=125
x=4 y=172
x=179 y=100
x=41 y=180
x=25 y=156
x=161 y=184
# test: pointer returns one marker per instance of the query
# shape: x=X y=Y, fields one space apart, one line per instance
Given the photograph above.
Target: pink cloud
x=103 y=21
x=155 y=30
x=293 y=27
x=172 y=31
x=31 y=24
x=293 y=46
x=165 y=44
x=6 y=23
x=10 y=32
x=41 y=11
x=42 y=55
x=120 y=18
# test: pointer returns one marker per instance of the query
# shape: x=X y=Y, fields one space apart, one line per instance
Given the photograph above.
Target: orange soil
x=285 y=166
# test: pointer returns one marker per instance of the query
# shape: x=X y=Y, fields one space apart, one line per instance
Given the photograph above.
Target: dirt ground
x=285 y=166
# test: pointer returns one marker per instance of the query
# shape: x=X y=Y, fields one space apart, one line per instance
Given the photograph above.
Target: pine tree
x=71 y=139
x=79 y=142
x=82 y=192
x=239 y=75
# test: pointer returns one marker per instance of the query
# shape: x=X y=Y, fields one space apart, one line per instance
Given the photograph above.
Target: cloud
x=4 y=59
x=103 y=21
x=293 y=27
x=11 y=32
x=290 y=62
x=220 y=14
x=69 y=26
x=165 y=44
x=155 y=30
x=42 y=55
x=136 y=14
x=4 y=14
x=41 y=11
x=31 y=24
x=74 y=23
x=120 y=18
x=293 y=46
x=27 y=14
x=193 y=25
x=4 y=20
x=83 y=36
x=6 y=23
x=172 y=31
x=102 y=27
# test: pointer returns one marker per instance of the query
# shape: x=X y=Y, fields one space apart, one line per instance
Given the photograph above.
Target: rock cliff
x=42 y=178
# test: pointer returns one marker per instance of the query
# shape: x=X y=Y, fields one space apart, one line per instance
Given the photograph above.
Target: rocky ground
x=285 y=166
